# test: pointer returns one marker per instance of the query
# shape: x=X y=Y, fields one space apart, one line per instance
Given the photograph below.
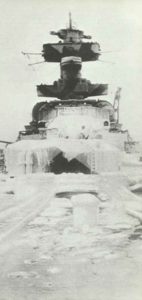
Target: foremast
x=71 y=51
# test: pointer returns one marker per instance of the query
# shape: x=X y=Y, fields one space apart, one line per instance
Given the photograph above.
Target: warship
x=69 y=218
x=76 y=131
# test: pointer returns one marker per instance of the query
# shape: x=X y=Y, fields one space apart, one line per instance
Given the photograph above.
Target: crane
x=116 y=104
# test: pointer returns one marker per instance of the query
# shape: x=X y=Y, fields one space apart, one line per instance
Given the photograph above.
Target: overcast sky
x=25 y=26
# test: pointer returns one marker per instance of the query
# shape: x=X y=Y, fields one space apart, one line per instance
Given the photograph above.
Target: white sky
x=25 y=26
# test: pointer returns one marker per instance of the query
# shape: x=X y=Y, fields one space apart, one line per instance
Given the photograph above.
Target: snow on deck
x=48 y=257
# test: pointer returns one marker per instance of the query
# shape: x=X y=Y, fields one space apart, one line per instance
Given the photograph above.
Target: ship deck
x=42 y=255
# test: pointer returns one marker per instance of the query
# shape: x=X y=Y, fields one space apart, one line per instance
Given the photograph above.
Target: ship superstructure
x=75 y=115
x=70 y=90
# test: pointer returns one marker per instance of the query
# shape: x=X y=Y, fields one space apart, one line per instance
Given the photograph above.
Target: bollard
x=85 y=211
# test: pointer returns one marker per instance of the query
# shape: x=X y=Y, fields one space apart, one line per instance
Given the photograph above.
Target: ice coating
x=33 y=156
x=86 y=211
x=74 y=126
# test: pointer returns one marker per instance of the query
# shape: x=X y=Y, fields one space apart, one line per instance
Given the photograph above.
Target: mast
x=70 y=21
